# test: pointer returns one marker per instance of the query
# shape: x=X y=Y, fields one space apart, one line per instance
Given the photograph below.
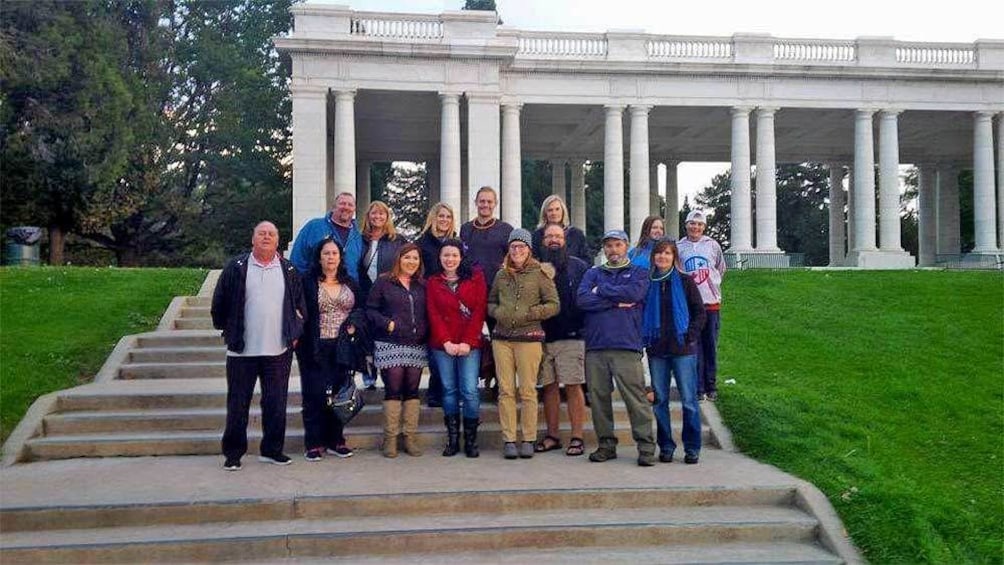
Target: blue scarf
x=652 y=316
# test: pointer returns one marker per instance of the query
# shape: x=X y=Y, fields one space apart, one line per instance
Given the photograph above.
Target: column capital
x=984 y=114
x=345 y=94
x=640 y=109
x=766 y=110
x=449 y=96
x=613 y=108
x=511 y=107
x=889 y=113
x=308 y=91
x=483 y=97
x=741 y=110
x=864 y=112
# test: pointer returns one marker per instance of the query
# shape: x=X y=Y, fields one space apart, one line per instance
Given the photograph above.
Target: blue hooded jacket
x=608 y=326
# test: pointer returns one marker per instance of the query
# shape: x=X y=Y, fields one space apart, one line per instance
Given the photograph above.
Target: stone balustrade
x=426 y=28
x=937 y=54
x=562 y=44
x=690 y=48
x=814 y=50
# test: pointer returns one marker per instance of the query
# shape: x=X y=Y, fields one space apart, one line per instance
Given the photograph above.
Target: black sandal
x=543 y=446
x=576 y=447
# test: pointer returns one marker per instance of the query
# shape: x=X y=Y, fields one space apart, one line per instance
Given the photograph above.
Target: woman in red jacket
x=457 y=301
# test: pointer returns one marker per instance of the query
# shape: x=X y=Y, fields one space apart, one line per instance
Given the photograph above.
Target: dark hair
x=466 y=268
x=646 y=227
x=396 y=272
x=660 y=246
x=342 y=274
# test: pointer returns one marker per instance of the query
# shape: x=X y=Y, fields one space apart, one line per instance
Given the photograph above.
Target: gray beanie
x=520 y=234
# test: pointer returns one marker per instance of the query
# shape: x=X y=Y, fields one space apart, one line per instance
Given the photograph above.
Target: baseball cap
x=697 y=216
x=615 y=234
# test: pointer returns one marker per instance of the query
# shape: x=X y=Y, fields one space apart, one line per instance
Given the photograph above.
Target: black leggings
x=401 y=383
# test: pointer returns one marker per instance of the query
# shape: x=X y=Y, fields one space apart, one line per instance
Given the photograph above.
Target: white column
x=864 y=182
x=345 y=142
x=653 y=189
x=949 y=238
x=578 y=194
x=613 y=169
x=889 y=228
x=483 y=155
x=672 y=200
x=558 y=178
x=362 y=189
x=984 y=202
x=310 y=108
x=639 y=168
x=851 y=244
x=1000 y=179
x=766 y=182
x=836 y=224
x=512 y=189
x=927 y=231
x=741 y=236
x=449 y=150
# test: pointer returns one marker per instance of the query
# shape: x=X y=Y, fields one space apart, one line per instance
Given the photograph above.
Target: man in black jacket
x=564 y=348
x=259 y=305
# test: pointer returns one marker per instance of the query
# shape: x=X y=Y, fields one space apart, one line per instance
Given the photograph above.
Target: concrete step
x=100 y=422
x=181 y=338
x=198 y=354
x=175 y=370
x=195 y=312
x=396 y=535
x=100 y=515
x=201 y=442
x=199 y=301
x=184 y=323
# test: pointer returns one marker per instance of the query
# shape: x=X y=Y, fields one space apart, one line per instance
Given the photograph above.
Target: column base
x=973 y=260
x=878 y=259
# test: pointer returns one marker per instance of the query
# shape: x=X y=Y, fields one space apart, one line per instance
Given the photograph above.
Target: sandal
x=543 y=445
x=575 y=447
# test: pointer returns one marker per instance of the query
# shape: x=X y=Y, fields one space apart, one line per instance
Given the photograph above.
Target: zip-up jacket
x=447 y=321
x=568 y=323
x=389 y=300
x=666 y=345
x=609 y=326
x=386 y=253
x=520 y=300
x=228 y=303
x=316 y=230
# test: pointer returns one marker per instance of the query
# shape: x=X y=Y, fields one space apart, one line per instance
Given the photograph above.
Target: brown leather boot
x=412 y=408
x=391 y=427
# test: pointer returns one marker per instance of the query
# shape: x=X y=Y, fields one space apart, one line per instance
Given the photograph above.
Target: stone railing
x=936 y=54
x=562 y=44
x=814 y=50
x=690 y=48
x=410 y=28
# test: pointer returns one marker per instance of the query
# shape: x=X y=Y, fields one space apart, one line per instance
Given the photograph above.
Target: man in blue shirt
x=339 y=225
x=612 y=296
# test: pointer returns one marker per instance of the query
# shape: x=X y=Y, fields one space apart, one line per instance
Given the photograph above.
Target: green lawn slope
x=886 y=390
x=57 y=325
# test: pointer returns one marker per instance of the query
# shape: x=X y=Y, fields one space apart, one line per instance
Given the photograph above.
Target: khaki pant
x=603 y=368
x=522 y=359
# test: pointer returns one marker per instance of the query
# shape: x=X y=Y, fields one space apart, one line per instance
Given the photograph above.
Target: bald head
x=265 y=241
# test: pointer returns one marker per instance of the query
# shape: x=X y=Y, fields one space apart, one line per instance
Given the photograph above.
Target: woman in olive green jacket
x=522 y=296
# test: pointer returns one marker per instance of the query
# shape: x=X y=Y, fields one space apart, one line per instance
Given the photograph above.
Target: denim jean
x=459 y=376
x=684 y=368
x=707 y=380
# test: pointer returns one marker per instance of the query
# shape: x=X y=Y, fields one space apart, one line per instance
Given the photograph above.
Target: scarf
x=652 y=316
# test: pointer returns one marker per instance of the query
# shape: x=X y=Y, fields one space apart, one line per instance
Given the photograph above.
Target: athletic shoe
x=232 y=464
x=278 y=459
x=313 y=455
x=509 y=450
x=646 y=459
x=342 y=451
x=665 y=456
x=711 y=396
x=526 y=450
x=602 y=455
x=691 y=458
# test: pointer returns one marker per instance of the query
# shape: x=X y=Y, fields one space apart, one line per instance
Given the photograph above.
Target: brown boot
x=391 y=427
x=412 y=409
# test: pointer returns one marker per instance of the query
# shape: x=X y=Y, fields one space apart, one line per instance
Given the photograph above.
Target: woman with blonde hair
x=381 y=243
x=554 y=211
x=440 y=225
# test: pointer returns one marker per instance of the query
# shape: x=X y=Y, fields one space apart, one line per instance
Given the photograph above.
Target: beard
x=557 y=257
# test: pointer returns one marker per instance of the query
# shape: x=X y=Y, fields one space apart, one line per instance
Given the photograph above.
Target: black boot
x=471 y=437
x=452 y=436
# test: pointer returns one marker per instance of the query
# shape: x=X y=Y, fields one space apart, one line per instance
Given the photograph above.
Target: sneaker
x=646 y=459
x=526 y=450
x=691 y=458
x=232 y=464
x=509 y=450
x=313 y=455
x=342 y=451
x=278 y=459
x=711 y=396
x=702 y=397
x=602 y=455
x=665 y=457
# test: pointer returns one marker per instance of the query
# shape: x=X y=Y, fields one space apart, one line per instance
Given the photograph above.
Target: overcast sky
x=958 y=20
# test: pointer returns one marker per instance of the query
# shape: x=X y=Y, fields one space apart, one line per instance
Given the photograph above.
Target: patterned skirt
x=387 y=355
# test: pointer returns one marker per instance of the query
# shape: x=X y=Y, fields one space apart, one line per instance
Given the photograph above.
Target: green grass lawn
x=57 y=325
x=884 y=389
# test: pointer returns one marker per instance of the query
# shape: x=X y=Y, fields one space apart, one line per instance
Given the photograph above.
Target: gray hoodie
x=704 y=260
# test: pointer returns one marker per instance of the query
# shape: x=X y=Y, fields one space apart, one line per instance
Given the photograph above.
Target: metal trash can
x=22 y=245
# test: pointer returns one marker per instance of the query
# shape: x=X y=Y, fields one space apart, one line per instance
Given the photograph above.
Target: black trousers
x=242 y=372
x=320 y=426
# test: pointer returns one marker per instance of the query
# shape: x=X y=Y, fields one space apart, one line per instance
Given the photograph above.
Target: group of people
x=364 y=299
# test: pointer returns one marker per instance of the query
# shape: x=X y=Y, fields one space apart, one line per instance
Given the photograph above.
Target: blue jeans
x=459 y=376
x=708 y=363
x=684 y=368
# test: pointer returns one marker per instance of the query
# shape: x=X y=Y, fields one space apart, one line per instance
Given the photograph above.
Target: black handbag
x=347 y=402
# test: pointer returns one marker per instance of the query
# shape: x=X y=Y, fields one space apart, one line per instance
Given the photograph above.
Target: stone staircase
x=142 y=441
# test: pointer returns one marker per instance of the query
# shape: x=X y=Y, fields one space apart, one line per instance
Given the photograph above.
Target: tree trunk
x=57 y=244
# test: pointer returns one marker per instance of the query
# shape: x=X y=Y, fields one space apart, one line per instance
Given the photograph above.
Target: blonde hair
x=389 y=228
x=543 y=214
x=430 y=219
